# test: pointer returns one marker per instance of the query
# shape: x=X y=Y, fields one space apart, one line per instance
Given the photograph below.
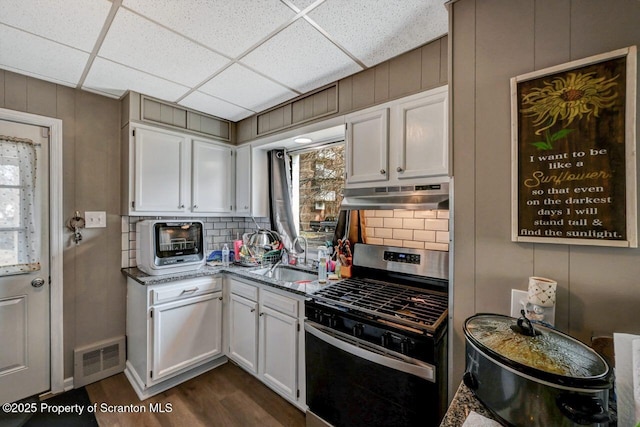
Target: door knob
x=37 y=282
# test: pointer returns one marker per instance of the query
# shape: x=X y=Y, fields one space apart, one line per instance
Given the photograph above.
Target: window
x=318 y=180
x=19 y=242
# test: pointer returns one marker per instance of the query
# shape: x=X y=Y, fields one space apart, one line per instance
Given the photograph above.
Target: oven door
x=351 y=382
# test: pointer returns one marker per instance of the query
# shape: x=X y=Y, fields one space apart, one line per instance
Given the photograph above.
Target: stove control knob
x=358 y=330
x=405 y=345
x=319 y=317
x=385 y=339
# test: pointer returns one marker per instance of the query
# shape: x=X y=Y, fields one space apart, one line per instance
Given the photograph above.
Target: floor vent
x=97 y=361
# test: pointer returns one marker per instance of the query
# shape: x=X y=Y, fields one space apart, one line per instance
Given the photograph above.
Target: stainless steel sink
x=286 y=274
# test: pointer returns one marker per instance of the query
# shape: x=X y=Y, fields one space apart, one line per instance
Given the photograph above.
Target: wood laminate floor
x=224 y=396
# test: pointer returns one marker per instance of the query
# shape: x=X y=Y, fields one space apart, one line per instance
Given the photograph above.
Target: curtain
x=19 y=238
x=282 y=220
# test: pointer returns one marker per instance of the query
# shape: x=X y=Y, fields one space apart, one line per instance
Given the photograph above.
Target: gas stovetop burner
x=418 y=308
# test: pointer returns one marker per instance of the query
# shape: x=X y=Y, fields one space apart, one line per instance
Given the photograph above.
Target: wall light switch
x=95 y=219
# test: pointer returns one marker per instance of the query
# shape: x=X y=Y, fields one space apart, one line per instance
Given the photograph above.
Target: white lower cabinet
x=174 y=332
x=265 y=337
x=243 y=332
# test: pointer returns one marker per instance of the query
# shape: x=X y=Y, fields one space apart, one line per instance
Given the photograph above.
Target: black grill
x=418 y=308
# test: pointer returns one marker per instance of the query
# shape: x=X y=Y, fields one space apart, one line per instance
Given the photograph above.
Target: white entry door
x=24 y=295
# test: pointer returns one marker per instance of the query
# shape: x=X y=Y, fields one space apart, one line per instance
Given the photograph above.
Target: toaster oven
x=165 y=247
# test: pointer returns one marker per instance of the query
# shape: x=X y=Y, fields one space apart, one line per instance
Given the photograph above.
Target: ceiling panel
x=76 y=23
x=243 y=87
x=114 y=79
x=375 y=31
x=214 y=106
x=46 y=60
x=301 y=4
x=229 y=27
x=148 y=47
x=301 y=58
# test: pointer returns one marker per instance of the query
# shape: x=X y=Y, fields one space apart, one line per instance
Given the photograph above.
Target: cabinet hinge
x=151 y=314
x=298 y=327
x=133 y=204
x=150 y=374
x=298 y=394
x=133 y=133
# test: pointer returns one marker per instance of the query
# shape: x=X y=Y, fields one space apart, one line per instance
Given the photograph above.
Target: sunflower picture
x=570 y=98
x=573 y=142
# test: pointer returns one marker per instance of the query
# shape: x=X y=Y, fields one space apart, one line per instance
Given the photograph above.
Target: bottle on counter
x=322 y=265
x=225 y=255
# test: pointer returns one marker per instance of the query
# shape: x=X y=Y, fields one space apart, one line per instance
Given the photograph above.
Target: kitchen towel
x=476 y=420
x=627 y=355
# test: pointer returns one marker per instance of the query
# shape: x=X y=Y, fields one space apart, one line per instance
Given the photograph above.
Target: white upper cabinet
x=160 y=171
x=422 y=141
x=400 y=142
x=367 y=145
x=212 y=177
x=243 y=180
x=170 y=173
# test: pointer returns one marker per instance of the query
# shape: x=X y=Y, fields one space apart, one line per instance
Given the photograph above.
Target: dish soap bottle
x=322 y=265
x=225 y=255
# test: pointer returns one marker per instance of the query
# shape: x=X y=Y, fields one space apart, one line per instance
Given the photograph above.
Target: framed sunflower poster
x=573 y=152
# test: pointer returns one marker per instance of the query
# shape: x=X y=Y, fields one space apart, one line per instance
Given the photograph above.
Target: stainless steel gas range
x=376 y=344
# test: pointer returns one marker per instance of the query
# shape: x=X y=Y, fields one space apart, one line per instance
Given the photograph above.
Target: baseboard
x=68 y=384
x=143 y=392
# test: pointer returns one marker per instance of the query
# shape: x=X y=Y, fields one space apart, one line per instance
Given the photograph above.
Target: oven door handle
x=372 y=352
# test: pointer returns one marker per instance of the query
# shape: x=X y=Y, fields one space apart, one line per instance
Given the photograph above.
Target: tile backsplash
x=422 y=229
x=217 y=232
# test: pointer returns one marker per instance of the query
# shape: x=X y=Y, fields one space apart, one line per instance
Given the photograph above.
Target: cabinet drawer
x=280 y=303
x=185 y=289
x=244 y=290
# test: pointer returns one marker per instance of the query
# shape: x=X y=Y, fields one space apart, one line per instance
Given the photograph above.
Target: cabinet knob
x=195 y=206
x=253 y=309
x=382 y=171
x=181 y=206
x=220 y=298
x=261 y=313
x=246 y=207
x=399 y=169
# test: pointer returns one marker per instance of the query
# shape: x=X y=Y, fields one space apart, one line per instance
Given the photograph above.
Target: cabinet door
x=243 y=332
x=243 y=179
x=185 y=333
x=422 y=143
x=160 y=177
x=278 y=351
x=367 y=146
x=212 y=177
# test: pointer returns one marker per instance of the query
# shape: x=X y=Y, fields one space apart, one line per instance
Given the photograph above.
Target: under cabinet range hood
x=426 y=196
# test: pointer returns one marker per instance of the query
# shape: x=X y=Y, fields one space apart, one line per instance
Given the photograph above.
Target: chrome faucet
x=273 y=267
x=305 y=247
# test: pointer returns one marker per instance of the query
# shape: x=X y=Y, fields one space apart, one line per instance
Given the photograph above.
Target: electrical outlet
x=95 y=219
x=517 y=296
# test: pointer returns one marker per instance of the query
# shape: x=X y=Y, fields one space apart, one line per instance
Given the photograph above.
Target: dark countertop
x=461 y=406
x=464 y=401
x=304 y=288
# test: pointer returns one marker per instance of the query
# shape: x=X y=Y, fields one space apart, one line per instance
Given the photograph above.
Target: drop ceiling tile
x=301 y=58
x=76 y=23
x=214 y=106
x=301 y=4
x=46 y=60
x=377 y=31
x=141 y=44
x=245 y=88
x=229 y=27
x=114 y=79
